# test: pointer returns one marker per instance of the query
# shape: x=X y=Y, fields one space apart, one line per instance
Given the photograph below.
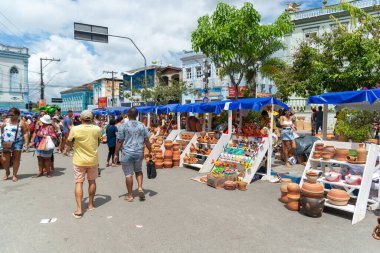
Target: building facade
x=78 y=98
x=193 y=65
x=14 y=88
x=308 y=23
x=156 y=75
x=103 y=89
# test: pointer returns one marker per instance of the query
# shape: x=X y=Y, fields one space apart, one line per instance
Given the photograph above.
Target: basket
x=216 y=182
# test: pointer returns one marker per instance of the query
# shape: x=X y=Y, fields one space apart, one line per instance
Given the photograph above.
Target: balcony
x=320 y=11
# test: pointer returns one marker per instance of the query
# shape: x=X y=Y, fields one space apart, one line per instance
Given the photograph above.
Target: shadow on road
x=147 y=192
x=99 y=200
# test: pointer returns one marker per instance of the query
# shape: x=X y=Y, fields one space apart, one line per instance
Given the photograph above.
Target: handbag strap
x=18 y=124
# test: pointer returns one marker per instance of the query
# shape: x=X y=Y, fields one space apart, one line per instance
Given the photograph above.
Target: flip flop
x=91 y=209
x=5 y=177
x=128 y=199
x=141 y=195
x=15 y=179
x=77 y=216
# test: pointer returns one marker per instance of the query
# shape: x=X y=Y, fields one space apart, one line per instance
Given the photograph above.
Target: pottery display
x=338 y=197
x=362 y=153
x=293 y=189
x=312 y=176
x=333 y=176
x=168 y=164
x=312 y=207
x=353 y=179
x=319 y=146
x=341 y=154
x=293 y=202
x=312 y=190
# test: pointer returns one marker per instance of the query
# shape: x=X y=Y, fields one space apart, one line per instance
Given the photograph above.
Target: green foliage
x=236 y=40
x=344 y=59
x=222 y=119
x=252 y=117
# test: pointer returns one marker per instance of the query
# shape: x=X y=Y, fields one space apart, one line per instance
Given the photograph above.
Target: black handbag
x=151 y=170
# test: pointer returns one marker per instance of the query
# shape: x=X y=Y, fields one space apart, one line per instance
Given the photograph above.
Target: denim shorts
x=287 y=134
x=18 y=145
x=45 y=153
x=132 y=166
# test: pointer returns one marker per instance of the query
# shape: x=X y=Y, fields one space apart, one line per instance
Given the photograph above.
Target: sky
x=160 y=28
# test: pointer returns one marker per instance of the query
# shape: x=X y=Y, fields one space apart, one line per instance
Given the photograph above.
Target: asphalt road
x=179 y=215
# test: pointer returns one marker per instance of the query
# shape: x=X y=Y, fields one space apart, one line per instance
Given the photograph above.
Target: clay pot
x=374 y=141
x=312 y=177
x=229 y=185
x=309 y=190
x=319 y=146
x=175 y=146
x=338 y=197
x=284 y=197
x=200 y=139
x=341 y=154
x=312 y=207
x=326 y=157
x=293 y=189
x=285 y=182
x=317 y=154
x=203 y=134
x=186 y=159
x=241 y=185
x=362 y=153
x=159 y=155
x=376 y=230
x=168 y=144
x=329 y=149
x=330 y=137
x=176 y=153
x=293 y=202
x=158 y=164
x=168 y=164
x=211 y=134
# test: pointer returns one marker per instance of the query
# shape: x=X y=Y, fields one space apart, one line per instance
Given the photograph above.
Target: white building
x=14 y=89
x=316 y=22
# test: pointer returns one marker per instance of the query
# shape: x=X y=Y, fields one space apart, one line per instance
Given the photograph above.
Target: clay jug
x=362 y=153
x=293 y=202
x=341 y=154
x=293 y=189
x=176 y=153
x=175 y=146
x=168 y=144
x=158 y=164
x=168 y=164
x=159 y=155
x=313 y=207
x=315 y=190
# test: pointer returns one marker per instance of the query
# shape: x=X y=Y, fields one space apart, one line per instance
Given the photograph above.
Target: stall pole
x=270 y=149
x=240 y=119
x=209 y=122
x=230 y=122
x=324 y=124
x=179 y=121
x=148 y=123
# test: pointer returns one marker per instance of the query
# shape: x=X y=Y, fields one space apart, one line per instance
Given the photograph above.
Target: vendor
x=287 y=136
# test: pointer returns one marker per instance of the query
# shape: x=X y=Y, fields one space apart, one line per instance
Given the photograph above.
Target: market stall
x=345 y=170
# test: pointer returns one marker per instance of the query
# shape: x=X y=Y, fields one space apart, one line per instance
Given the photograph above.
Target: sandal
x=77 y=215
x=141 y=195
x=40 y=174
x=14 y=179
x=128 y=198
x=5 y=177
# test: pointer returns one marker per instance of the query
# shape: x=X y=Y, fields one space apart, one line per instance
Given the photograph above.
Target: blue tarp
x=146 y=109
x=213 y=107
x=255 y=104
x=346 y=97
x=165 y=109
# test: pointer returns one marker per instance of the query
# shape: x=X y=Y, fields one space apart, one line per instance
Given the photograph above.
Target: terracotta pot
x=374 y=141
x=312 y=207
x=312 y=177
x=203 y=134
x=338 y=197
x=312 y=190
x=317 y=154
x=293 y=189
x=293 y=202
x=158 y=165
x=168 y=144
x=211 y=134
x=176 y=153
x=241 y=185
x=330 y=137
x=341 y=154
x=326 y=157
x=329 y=149
x=159 y=155
x=175 y=146
x=376 y=230
x=229 y=185
x=362 y=153
x=285 y=182
x=284 y=197
x=168 y=164
x=319 y=146
x=284 y=188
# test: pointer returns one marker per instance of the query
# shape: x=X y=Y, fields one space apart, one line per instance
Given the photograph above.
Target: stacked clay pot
x=293 y=197
x=341 y=154
x=312 y=199
x=284 y=189
x=168 y=155
x=362 y=154
x=176 y=154
x=159 y=162
x=328 y=152
x=338 y=197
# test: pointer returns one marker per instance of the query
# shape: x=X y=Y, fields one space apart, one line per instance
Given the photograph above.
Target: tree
x=237 y=42
x=344 y=59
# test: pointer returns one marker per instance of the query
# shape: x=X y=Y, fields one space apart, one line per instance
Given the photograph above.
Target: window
x=199 y=72
x=14 y=80
x=188 y=73
x=310 y=32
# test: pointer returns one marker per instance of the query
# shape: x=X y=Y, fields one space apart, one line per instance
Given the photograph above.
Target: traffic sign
x=57 y=100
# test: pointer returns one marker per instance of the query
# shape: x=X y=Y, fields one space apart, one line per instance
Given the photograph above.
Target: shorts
x=18 y=145
x=81 y=171
x=132 y=166
x=45 y=153
x=287 y=134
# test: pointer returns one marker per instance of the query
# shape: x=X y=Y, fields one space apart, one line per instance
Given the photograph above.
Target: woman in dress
x=287 y=136
x=13 y=130
x=44 y=156
x=111 y=141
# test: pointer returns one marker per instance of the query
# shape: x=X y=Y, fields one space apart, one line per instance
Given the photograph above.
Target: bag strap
x=18 y=124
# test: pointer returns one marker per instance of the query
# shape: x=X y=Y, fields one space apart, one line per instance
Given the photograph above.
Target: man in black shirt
x=318 y=119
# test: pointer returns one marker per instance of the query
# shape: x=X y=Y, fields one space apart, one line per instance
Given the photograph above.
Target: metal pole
x=229 y=122
x=113 y=90
x=270 y=149
x=324 y=124
x=42 y=81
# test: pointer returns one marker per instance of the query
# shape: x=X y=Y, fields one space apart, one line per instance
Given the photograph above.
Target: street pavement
x=179 y=215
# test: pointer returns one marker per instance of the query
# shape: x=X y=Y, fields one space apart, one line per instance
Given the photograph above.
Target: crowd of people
x=79 y=137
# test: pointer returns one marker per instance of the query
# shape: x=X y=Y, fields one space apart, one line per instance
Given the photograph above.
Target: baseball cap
x=86 y=115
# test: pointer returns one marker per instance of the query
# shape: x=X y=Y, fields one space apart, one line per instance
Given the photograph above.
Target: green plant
x=252 y=117
x=222 y=119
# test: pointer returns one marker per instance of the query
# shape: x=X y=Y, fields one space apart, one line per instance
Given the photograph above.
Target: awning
x=256 y=104
x=165 y=109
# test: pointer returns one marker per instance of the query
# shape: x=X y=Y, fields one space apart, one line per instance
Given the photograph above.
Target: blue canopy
x=346 y=97
x=255 y=104
x=194 y=108
x=213 y=107
x=146 y=109
x=165 y=109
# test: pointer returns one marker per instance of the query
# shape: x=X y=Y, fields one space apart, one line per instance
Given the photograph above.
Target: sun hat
x=46 y=119
x=56 y=117
x=86 y=115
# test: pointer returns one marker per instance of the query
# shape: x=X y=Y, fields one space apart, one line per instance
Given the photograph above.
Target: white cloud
x=161 y=28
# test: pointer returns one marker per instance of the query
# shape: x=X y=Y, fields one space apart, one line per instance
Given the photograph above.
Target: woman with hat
x=40 y=139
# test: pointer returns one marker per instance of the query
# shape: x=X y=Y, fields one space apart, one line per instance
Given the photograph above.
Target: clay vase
x=312 y=207
x=176 y=153
x=293 y=189
x=309 y=190
x=168 y=164
x=175 y=146
x=168 y=144
x=158 y=164
x=293 y=202
x=211 y=135
x=362 y=153
x=341 y=154
x=312 y=177
x=159 y=155
x=319 y=146
x=338 y=197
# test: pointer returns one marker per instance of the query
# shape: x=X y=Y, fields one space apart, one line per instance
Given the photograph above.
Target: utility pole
x=42 y=75
x=113 y=83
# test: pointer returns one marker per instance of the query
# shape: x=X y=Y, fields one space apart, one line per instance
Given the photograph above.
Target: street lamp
x=100 y=34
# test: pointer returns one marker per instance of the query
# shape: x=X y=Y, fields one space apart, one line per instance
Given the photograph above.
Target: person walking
x=42 y=134
x=318 y=119
x=87 y=139
x=67 y=124
x=14 y=138
x=131 y=137
x=287 y=136
x=111 y=142
x=312 y=119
